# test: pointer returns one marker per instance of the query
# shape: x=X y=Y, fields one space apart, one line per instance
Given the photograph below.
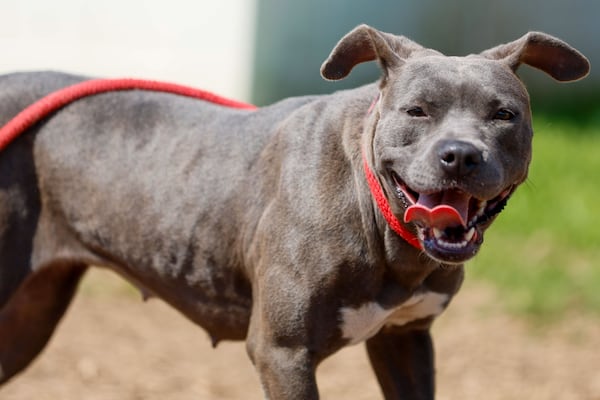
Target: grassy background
x=543 y=252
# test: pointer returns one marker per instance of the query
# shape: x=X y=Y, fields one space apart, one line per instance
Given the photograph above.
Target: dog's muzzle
x=450 y=223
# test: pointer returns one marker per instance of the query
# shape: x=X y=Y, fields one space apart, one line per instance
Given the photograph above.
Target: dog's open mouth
x=449 y=223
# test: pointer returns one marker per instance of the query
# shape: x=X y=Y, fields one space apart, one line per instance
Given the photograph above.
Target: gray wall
x=294 y=37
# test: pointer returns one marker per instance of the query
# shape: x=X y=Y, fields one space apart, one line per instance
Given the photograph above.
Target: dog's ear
x=544 y=52
x=367 y=44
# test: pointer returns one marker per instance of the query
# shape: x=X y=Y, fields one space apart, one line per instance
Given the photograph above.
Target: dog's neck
x=384 y=207
x=381 y=200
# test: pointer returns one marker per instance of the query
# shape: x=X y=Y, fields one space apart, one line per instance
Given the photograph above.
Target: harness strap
x=56 y=100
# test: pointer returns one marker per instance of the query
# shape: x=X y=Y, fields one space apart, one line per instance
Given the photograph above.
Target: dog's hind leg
x=28 y=319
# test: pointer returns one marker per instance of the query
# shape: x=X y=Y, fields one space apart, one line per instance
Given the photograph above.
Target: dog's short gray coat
x=259 y=225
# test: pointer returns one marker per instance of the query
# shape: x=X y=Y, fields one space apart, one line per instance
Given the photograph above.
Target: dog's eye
x=504 y=115
x=416 y=112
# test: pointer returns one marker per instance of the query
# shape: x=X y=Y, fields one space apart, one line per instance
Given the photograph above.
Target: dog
x=302 y=227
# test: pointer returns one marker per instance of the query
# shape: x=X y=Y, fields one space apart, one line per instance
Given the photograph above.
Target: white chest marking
x=361 y=323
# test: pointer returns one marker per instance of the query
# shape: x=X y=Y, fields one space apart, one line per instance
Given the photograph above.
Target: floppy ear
x=366 y=44
x=544 y=52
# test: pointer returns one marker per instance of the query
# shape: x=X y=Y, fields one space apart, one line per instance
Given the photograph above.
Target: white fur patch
x=359 y=324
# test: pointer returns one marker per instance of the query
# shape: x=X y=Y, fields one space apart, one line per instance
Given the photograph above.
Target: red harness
x=54 y=101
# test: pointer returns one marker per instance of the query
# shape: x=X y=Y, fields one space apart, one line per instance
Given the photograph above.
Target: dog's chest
x=358 y=324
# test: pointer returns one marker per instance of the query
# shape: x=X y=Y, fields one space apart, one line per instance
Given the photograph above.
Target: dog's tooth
x=438 y=234
x=469 y=235
x=450 y=245
x=482 y=206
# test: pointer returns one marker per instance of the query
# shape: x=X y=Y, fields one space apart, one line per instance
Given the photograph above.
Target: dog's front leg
x=277 y=345
x=285 y=373
x=403 y=362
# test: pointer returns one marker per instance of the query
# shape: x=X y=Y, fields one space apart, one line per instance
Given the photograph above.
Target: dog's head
x=452 y=135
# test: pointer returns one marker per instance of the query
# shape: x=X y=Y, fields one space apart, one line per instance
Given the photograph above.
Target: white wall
x=206 y=44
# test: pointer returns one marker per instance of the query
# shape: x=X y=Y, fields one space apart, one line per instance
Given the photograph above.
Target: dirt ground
x=112 y=346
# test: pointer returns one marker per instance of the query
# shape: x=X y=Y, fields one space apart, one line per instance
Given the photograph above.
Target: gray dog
x=303 y=227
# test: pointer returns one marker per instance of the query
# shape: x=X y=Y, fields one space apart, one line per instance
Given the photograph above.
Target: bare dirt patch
x=113 y=346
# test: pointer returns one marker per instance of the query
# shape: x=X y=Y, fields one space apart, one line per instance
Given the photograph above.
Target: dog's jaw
x=449 y=223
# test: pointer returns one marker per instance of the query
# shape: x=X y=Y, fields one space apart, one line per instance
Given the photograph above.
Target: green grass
x=543 y=251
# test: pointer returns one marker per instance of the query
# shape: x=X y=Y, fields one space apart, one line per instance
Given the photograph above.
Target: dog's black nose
x=458 y=158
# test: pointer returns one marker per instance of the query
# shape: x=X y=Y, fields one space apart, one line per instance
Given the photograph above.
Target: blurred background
x=527 y=324
x=265 y=50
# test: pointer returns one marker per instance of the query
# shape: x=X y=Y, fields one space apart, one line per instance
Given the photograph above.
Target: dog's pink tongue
x=440 y=210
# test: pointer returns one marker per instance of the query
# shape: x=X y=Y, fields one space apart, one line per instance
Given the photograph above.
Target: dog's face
x=453 y=132
x=452 y=137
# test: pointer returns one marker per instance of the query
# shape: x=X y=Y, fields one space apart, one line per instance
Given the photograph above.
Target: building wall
x=294 y=37
x=208 y=44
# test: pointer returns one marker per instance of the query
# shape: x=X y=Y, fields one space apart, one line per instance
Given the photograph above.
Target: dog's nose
x=458 y=158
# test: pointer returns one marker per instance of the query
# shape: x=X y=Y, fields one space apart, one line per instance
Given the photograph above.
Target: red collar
x=386 y=210
x=382 y=201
